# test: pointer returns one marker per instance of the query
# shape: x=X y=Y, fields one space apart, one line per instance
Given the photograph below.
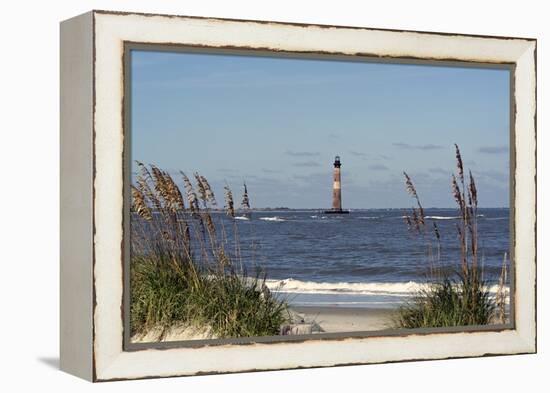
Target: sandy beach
x=346 y=319
x=324 y=319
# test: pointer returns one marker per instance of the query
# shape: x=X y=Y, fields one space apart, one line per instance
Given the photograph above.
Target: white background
x=29 y=205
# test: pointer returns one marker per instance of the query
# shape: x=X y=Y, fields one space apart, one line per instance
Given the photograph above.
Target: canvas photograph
x=286 y=196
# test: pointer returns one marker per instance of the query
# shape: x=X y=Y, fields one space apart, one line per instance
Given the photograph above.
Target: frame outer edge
x=526 y=197
x=76 y=196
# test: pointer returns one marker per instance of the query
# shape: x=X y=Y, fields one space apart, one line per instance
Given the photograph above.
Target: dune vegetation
x=460 y=297
x=185 y=268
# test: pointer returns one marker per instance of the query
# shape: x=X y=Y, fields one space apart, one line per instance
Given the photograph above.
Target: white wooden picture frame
x=92 y=194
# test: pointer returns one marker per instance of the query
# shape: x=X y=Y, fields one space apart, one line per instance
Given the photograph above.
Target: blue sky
x=277 y=124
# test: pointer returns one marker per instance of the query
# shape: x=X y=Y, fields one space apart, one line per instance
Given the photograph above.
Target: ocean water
x=367 y=258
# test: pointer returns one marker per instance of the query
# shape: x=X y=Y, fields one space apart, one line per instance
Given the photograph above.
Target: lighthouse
x=337 y=190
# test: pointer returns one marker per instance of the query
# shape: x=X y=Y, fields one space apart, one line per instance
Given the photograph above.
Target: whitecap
x=276 y=219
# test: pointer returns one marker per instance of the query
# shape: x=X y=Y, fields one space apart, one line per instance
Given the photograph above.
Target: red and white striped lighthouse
x=337 y=190
x=337 y=186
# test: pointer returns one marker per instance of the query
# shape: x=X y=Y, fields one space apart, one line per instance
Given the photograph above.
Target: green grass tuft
x=446 y=304
x=231 y=305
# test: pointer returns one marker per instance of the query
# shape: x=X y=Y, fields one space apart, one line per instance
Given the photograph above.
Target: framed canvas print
x=246 y=195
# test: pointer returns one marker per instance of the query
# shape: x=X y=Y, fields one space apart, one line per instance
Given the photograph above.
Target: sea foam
x=405 y=289
x=448 y=217
x=296 y=286
x=277 y=219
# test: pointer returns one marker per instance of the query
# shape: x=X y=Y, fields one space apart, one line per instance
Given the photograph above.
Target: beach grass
x=185 y=270
x=447 y=303
x=459 y=298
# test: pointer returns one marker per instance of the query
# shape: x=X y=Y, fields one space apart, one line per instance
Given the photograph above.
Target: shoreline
x=346 y=319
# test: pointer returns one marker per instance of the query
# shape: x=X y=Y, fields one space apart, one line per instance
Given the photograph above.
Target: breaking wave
x=448 y=217
x=296 y=286
x=350 y=288
x=277 y=219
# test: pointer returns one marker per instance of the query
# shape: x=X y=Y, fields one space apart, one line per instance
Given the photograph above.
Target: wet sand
x=346 y=319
